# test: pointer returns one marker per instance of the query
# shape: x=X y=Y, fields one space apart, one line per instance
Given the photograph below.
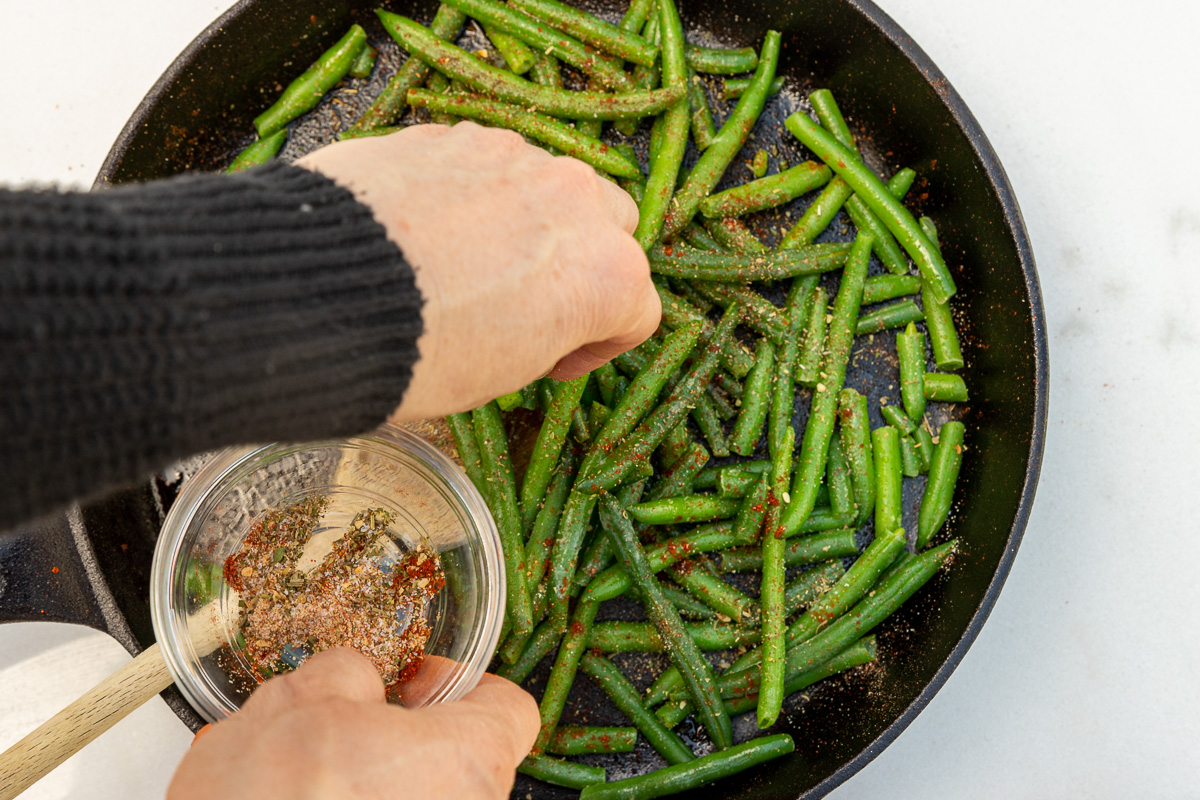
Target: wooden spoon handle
x=64 y=734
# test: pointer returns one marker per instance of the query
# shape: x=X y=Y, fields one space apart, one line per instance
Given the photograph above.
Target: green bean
x=760 y=313
x=819 y=429
x=808 y=361
x=714 y=161
x=830 y=117
x=641 y=637
x=497 y=470
x=759 y=164
x=260 y=152
x=699 y=237
x=676 y=313
x=702 y=581
x=675 y=445
x=625 y=697
x=900 y=183
x=578 y=740
x=615 y=581
x=885 y=446
x=732 y=234
x=837 y=478
x=526 y=28
x=462 y=430
x=736 y=482
x=910 y=462
x=939 y=489
x=897 y=419
x=769 y=192
x=561 y=136
x=668 y=146
x=709 y=422
x=945 y=388
x=681 y=777
x=774 y=618
x=910 y=352
x=579 y=426
x=545 y=523
x=811 y=584
x=507 y=402
x=562 y=674
x=752 y=513
x=620 y=387
x=637 y=447
x=824 y=518
x=726 y=410
x=355 y=133
x=306 y=91
x=877 y=197
x=735 y=87
x=636 y=15
x=801 y=550
x=592 y=30
x=685 y=604
x=546 y=450
x=818 y=215
x=924 y=446
x=458 y=64
x=943 y=339
x=678 y=480
x=896 y=315
x=880 y=288
x=643 y=392
x=677 y=510
x=783 y=394
x=710 y=477
x=721 y=62
x=705 y=265
x=364 y=64
x=546 y=71
x=703 y=131
x=565 y=556
x=560 y=772
x=517 y=55
x=748 y=428
x=537 y=647
x=387 y=106
x=855 y=428
x=606 y=378
x=686 y=657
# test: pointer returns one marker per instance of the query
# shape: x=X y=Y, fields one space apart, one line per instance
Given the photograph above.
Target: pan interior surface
x=904 y=114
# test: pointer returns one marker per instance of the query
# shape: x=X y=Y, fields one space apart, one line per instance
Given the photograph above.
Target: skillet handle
x=68 y=731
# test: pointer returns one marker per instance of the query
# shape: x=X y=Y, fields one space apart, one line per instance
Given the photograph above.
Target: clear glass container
x=195 y=612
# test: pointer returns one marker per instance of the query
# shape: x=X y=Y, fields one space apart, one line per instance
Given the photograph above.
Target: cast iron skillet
x=905 y=113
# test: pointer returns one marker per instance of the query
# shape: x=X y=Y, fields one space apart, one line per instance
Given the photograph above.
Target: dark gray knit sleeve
x=144 y=323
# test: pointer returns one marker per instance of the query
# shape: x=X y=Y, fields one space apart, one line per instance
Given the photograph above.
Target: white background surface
x=1082 y=684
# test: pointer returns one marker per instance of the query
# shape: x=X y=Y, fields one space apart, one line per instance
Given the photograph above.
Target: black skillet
x=905 y=113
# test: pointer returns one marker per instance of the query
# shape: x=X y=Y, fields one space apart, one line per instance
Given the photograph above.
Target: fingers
x=337 y=673
x=620 y=205
x=515 y=709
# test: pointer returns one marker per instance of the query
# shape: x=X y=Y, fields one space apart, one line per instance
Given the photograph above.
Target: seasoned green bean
x=678 y=510
x=943 y=338
x=837 y=478
x=685 y=604
x=732 y=234
x=753 y=511
x=306 y=91
x=458 y=64
x=855 y=429
x=880 y=288
x=939 y=490
x=365 y=63
x=759 y=312
x=771 y=600
x=897 y=419
x=923 y=440
x=546 y=450
x=818 y=215
x=714 y=161
x=722 y=62
x=808 y=361
x=703 y=131
x=819 y=429
x=517 y=55
x=896 y=315
x=783 y=393
x=709 y=478
x=641 y=637
x=748 y=428
x=705 y=265
x=910 y=352
x=260 y=152
x=560 y=772
x=945 y=388
x=677 y=313
x=564 y=557
x=562 y=674
x=697 y=673
x=592 y=30
x=559 y=135
x=681 y=777
x=885 y=446
x=770 y=192
x=736 y=482
x=702 y=581
x=800 y=550
x=910 y=462
x=578 y=740
x=877 y=197
x=709 y=422
x=735 y=87
x=537 y=647
x=497 y=470
x=679 y=478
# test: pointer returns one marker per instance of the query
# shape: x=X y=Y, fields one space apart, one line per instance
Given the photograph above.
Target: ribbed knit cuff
x=146 y=322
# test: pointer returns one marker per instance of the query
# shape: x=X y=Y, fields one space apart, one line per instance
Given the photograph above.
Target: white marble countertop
x=1079 y=685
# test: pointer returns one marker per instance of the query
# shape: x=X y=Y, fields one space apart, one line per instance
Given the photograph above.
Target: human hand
x=525 y=260
x=324 y=731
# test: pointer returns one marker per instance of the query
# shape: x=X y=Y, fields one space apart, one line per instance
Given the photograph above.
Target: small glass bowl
x=195 y=612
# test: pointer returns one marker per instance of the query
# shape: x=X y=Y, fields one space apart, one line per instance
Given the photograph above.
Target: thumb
x=337 y=673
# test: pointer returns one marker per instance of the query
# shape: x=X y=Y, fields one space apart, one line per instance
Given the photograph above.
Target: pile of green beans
x=676 y=475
